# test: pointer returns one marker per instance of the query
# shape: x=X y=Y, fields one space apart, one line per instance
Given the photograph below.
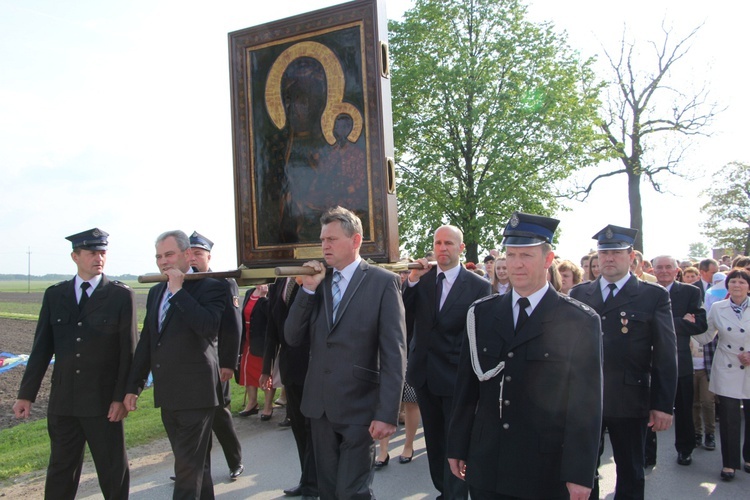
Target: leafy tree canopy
x=728 y=211
x=491 y=114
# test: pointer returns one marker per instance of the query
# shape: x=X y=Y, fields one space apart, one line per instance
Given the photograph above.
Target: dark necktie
x=336 y=292
x=439 y=291
x=523 y=303
x=84 y=295
x=612 y=287
x=290 y=286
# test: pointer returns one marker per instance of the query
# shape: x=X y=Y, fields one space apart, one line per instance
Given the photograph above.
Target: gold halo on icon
x=335 y=105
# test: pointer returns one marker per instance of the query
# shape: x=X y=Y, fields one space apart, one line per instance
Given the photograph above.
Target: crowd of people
x=517 y=367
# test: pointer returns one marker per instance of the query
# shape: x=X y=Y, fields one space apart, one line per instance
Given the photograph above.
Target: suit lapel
x=69 y=298
x=455 y=292
x=624 y=296
x=504 y=319
x=98 y=297
x=156 y=307
x=357 y=278
x=534 y=325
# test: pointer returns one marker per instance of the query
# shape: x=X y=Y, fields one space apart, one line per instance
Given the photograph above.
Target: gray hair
x=674 y=261
x=183 y=242
x=350 y=223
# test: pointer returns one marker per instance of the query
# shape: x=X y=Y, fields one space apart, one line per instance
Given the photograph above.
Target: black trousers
x=627 y=436
x=730 y=425
x=303 y=439
x=477 y=494
x=684 y=428
x=106 y=440
x=344 y=455
x=223 y=427
x=189 y=433
x=436 y=415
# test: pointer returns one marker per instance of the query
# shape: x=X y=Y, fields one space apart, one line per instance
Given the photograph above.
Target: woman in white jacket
x=730 y=372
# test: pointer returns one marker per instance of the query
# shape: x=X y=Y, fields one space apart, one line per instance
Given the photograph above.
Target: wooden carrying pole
x=158 y=278
x=288 y=271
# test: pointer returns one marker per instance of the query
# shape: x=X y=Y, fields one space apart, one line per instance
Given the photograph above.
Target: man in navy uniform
x=527 y=414
x=89 y=325
x=229 y=351
x=640 y=355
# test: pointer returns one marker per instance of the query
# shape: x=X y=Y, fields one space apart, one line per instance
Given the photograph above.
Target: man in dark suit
x=640 y=355
x=89 y=325
x=527 y=414
x=439 y=298
x=292 y=362
x=707 y=268
x=178 y=346
x=353 y=317
x=229 y=351
x=689 y=319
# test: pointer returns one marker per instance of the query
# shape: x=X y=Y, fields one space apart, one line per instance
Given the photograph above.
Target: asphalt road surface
x=271 y=464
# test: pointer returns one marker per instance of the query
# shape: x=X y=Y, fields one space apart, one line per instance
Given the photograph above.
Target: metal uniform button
x=158 y=344
x=507 y=378
x=78 y=339
x=158 y=365
x=80 y=323
x=506 y=402
x=506 y=426
x=603 y=318
x=78 y=371
x=510 y=354
x=484 y=349
x=78 y=355
x=546 y=355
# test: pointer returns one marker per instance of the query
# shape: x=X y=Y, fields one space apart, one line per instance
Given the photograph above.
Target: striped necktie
x=164 y=309
x=336 y=292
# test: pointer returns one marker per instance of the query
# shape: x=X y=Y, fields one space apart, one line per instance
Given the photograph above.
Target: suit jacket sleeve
x=585 y=406
x=712 y=329
x=664 y=355
x=141 y=364
x=695 y=307
x=230 y=329
x=128 y=333
x=298 y=322
x=465 y=398
x=204 y=317
x=392 y=345
x=41 y=353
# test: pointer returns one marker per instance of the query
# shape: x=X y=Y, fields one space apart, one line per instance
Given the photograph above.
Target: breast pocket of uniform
x=546 y=352
x=103 y=324
x=633 y=322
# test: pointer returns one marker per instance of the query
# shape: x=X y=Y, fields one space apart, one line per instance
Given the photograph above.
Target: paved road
x=271 y=465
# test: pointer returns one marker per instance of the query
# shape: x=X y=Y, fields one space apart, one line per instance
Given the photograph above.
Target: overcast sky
x=117 y=115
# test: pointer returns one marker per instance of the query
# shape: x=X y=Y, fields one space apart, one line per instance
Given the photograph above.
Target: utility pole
x=29 y=272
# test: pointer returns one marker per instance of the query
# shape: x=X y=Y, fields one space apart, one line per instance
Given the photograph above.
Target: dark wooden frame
x=265 y=158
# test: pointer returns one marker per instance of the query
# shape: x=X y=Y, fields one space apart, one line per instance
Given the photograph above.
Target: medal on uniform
x=624 y=322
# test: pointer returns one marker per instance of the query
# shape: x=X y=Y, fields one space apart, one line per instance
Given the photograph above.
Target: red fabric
x=251 y=366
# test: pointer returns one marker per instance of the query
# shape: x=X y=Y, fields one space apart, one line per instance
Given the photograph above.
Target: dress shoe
x=236 y=472
x=173 y=478
x=285 y=423
x=746 y=467
x=405 y=460
x=266 y=418
x=710 y=443
x=294 y=491
x=727 y=475
x=649 y=462
x=252 y=411
x=380 y=464
x=684 y=458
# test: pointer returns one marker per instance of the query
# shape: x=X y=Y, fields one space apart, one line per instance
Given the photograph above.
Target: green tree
x=698 y=251
x=646 y=119
x=728 y=211
x=491 y=113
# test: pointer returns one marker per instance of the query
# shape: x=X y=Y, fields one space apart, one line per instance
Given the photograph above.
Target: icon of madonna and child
x=309 y=137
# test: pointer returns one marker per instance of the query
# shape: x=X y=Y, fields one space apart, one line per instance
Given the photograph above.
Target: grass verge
x=25 y=447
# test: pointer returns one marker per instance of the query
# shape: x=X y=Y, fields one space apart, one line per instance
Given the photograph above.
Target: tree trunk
x=636 y=210
x=472 y=252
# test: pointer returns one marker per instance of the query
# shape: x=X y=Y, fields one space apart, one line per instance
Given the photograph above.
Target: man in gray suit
x=354 y=319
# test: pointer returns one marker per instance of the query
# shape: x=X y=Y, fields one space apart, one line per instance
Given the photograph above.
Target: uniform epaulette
x=58 y=283
x=578 y=304
x=485 y=299
x=120 y=283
